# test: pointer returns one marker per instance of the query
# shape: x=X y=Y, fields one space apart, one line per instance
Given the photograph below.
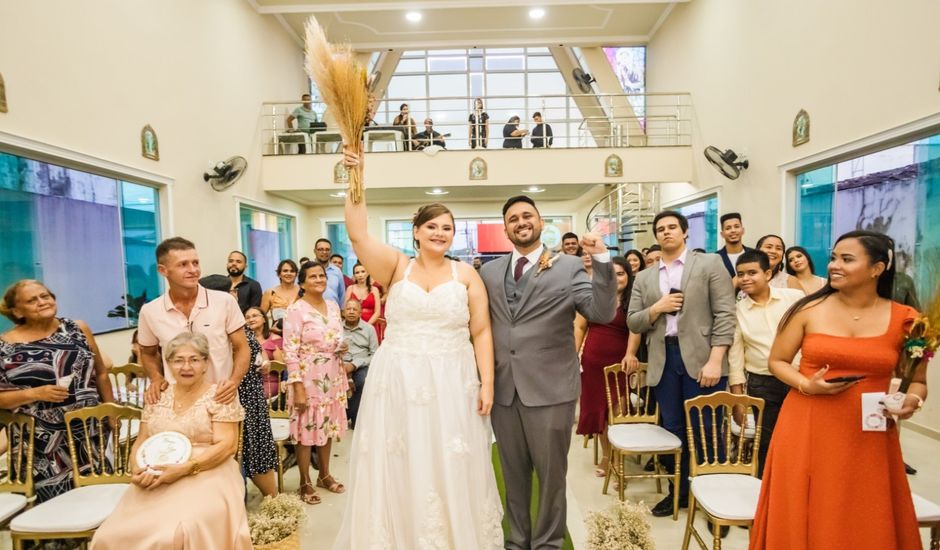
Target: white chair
x=77 y=513
x=129 y=383
x=387 y=137
x=279 y=412
x=16 y=480
x=632 y=430
x=723 y=484
x=293 y=140
x=928 y=515
x=322 y=139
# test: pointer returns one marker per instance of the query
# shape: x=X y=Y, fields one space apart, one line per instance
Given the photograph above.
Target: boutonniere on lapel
x=546 y=261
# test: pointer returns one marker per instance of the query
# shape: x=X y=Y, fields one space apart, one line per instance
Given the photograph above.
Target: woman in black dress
x=49 y=365
x=259 y=453
x=479 y=128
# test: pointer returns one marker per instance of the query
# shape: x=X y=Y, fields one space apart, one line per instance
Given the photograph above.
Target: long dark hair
x=783 y=245
x=625 y=293
x=801 y=250
x=265 y=328
x=879 y=247
x=368 y=277
x=639 y=255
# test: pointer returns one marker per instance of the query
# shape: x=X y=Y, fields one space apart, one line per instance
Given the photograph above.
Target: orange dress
x=827 y=483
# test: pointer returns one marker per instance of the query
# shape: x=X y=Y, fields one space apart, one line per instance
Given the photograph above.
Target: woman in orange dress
x=828 y=483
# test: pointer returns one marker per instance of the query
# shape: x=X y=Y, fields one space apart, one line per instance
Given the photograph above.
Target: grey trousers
x=534 y=438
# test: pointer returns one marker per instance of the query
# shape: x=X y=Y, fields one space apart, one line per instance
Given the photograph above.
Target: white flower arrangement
x=276 y=519
x=623 y=526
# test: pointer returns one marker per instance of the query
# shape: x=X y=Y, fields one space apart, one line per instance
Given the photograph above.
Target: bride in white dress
x=422 y=476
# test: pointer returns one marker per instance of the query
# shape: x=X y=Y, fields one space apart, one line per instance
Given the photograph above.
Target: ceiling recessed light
x=338 y=195
x=436 y=192
x=413 y=16
x=536 y=13
x=533 y=189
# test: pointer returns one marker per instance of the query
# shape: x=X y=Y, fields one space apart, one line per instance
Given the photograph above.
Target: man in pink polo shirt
x=187 y=306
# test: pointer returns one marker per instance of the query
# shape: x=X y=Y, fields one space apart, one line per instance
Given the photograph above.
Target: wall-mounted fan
x=726 y=162
x=224 y=174
x=583 y=80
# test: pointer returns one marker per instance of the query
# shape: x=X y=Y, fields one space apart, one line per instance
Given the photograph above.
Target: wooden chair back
x=628 y=397
x=89 y=429
x=708 y=421
x=20 y=430
x=129 y=383
x=278 y=407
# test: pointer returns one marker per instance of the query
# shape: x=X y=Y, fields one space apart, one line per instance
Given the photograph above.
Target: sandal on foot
x=309 y=498
x=330 y=484
x=600 y=472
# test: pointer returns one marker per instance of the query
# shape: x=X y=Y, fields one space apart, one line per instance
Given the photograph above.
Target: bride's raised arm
x=379 y=259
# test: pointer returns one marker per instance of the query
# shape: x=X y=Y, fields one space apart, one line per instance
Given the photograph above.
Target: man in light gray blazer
x=685 y=305
x=537 y=379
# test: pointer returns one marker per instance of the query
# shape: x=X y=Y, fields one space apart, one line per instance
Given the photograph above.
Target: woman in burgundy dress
x=604 y=345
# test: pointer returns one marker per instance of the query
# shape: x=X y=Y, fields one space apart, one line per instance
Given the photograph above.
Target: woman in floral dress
x=317 y=384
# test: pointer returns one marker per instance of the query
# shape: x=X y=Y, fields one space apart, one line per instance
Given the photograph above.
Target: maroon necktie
x=520 y=263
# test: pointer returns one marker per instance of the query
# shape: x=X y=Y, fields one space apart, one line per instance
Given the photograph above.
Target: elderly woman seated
x=198 y=504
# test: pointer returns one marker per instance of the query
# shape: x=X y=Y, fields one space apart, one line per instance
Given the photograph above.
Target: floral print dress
x=310 y=345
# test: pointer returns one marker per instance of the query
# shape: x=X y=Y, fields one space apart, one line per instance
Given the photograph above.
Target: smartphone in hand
x=675 y=291
x=844 y=379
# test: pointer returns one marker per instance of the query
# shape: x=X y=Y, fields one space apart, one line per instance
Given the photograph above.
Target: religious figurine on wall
x=340 y=174
x=801 y=128
x=478 y=169
x=3 y=95
x=613 y=167
x=149 y=146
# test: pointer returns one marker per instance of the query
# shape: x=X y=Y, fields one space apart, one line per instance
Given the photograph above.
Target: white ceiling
x=417 y=195
x=381 y=24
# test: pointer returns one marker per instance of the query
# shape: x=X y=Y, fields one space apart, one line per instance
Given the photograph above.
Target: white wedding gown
x=421 y=470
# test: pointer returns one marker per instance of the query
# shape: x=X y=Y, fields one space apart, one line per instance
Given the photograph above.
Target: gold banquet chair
x=723 y=484
x=129 y=383
x=16 y=478
x=633 y=430
x=928 y=515
x=77 y=513
x=279 y=411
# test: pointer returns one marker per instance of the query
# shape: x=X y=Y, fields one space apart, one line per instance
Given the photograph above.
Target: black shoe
x=664 y=508
x=724 y=529
x=649 y=466
x=909 y=469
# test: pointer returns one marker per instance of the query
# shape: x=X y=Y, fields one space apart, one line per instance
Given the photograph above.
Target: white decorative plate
x=164 y=448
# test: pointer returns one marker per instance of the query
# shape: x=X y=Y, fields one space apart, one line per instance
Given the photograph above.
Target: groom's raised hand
x=592 y=243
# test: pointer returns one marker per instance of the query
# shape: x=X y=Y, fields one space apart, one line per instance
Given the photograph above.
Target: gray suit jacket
x=707 y=317
x=535 y=355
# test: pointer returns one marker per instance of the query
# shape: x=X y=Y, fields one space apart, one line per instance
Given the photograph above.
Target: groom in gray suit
x=533 y=299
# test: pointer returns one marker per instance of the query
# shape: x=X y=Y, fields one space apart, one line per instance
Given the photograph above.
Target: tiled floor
x=585 y=495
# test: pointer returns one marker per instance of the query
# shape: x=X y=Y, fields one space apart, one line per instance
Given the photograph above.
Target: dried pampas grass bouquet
x=342 y=82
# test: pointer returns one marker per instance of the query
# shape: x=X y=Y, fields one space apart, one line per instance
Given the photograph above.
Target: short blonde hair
x=9 y=299
x=194 y=340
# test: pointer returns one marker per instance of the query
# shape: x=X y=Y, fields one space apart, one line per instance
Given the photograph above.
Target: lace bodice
x=195 y=422
x=419 y=320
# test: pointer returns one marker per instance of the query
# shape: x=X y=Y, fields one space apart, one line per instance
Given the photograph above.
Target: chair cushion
x=749 y=431
x=78 y=510
x=10 y=503
x=727 y=496
x=641 y=438
x=280 y=427
x=926 y=510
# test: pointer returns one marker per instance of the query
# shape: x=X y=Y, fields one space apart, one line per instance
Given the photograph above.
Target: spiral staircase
x=625 y=215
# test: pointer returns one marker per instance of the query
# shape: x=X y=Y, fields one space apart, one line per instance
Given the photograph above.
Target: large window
x=89 y=238
x=440 y=84
x=702 y=214
x=895 y=191
x=473 y=237
x=629 y=64
x=267 y=238
x=339 y=238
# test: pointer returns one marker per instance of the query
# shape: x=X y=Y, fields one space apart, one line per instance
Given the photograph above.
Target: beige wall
x=87 y=76
x=858 y=67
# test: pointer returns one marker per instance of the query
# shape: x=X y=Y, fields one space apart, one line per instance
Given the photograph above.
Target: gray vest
x=515 y=290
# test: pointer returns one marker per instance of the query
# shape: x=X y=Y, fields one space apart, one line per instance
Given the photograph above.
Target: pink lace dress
x=310 y=344
x=201 y=512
